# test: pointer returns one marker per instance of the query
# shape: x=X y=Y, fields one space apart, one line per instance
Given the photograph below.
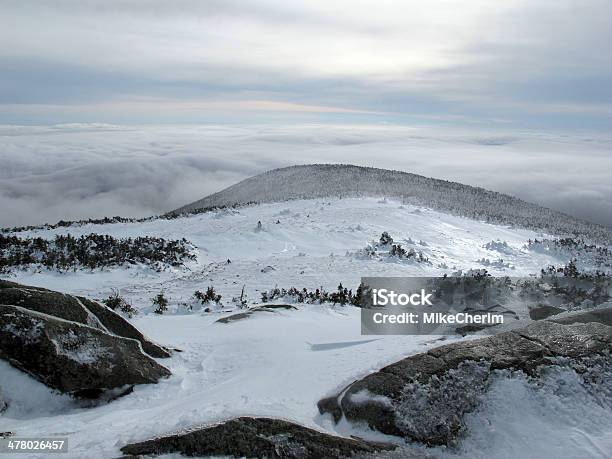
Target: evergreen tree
x=161 y=302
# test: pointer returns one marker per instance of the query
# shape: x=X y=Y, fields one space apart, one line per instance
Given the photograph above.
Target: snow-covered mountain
x=310 y=227
x=340 y=180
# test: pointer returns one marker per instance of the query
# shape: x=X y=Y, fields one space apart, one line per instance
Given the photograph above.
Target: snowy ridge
x=341 y=180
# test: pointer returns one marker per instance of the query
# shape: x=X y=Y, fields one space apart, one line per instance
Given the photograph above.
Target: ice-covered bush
x=117 y=303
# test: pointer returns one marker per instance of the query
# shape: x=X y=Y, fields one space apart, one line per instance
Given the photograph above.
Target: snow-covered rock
x=75 y=309
x=72 y=357
x=257 y=437
x=428 y=394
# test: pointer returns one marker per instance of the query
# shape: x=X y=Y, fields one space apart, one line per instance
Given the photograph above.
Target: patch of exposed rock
x=76 y=309
x=72 y=344
x=257 y=437
x=71 y=357
x=248 y=313
x=602 y=316
x=542 y=311
x=424 y=397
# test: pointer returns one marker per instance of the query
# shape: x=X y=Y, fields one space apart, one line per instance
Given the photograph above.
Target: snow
x=365 y=396
x=39 y=402
x=27 y=335
x=271 y=364
x=262 y=365
x=333 y=180
x=559 y=418
x=75 y=348
x=307 y=249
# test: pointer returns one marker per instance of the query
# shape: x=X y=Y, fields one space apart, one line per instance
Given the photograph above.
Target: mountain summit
x=343 y=180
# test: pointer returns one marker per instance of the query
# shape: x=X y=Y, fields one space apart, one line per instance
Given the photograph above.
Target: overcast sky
x=534 y=63
x=243 y=86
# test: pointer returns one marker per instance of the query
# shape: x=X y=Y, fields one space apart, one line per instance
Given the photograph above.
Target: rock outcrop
x=76 y=309
x=432 y=388
x=248 y=313
x=73 y=344
x=71 y=357
x=542 y=311
x=602 y=316
x=257 y=437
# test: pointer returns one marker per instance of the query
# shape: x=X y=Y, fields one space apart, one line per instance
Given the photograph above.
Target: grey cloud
x=127 y=187
x=81 y=171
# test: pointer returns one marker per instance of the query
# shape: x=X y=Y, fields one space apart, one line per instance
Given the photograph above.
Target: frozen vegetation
x=589 y=256
x=91 y=251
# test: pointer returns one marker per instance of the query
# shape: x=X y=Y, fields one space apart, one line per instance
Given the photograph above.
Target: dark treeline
x=342 y=295
x=68 y=223
x=92 y=251
x=117 y=219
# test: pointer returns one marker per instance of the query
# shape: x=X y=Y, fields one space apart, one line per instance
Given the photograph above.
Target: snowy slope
x=316 y=243
x=333 y=180
x=277 y=364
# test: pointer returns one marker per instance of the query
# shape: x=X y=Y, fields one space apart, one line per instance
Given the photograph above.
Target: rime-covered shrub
x=499 y=246
x=341 y=295
x=581 y=252
x=117 y=303
x=499 y=263
x=93 y=251
x=160 y=302
x=385 y=248
x=385 y=239
x=433 y=412
x=209 y=297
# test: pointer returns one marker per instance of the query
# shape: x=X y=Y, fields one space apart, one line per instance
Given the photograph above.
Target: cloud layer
x=81 y=170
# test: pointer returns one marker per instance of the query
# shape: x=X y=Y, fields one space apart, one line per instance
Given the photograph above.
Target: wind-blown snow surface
x=275 y=364
x=315 y=244
x=556 y=418
x=345 y=180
